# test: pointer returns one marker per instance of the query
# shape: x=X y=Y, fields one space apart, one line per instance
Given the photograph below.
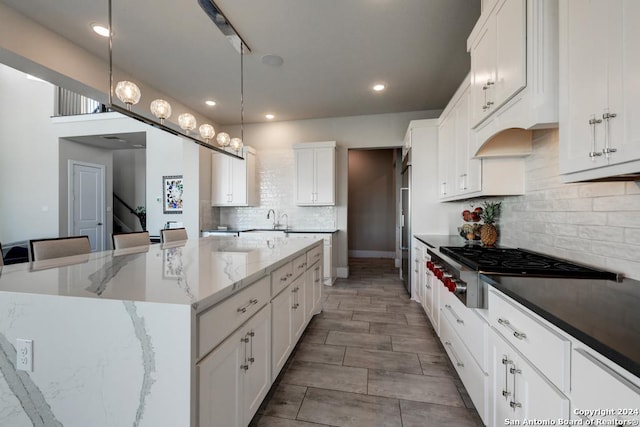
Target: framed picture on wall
x=172 y=186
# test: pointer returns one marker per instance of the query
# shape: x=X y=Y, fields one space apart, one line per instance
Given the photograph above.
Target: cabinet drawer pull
x=243 y=309
x=453 y=353
x=516 y=333
x=284 y=278
x=453 y=313
x=515 y=405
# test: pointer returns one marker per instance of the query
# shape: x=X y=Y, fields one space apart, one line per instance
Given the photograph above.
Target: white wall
x=373 y=131
x=28 y=158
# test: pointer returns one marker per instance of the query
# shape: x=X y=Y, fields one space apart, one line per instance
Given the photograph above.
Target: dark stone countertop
x=434 y=241
x=603 y=314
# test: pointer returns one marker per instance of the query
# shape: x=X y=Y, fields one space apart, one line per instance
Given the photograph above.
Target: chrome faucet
x=274 y=217
x=286 y=223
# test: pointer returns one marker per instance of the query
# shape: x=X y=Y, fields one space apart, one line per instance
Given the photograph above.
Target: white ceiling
x=333 y=51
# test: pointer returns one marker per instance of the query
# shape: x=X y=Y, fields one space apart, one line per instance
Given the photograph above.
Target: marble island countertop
x=198 y=272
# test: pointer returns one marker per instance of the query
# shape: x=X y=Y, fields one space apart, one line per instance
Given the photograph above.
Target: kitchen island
x=147 y=336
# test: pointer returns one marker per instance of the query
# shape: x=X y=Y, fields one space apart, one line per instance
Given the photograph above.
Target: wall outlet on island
x=24 y=355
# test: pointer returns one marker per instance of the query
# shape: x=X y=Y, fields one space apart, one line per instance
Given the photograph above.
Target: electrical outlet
x=24 y=357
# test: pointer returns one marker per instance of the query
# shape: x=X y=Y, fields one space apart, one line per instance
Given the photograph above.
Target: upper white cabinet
x=315 y=166
x=233 y=181
x=599 y=91
x=463 y=176
x=498 y=58
x=514 y=75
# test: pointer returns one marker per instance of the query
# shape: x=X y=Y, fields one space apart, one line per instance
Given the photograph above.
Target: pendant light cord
x=242 y=91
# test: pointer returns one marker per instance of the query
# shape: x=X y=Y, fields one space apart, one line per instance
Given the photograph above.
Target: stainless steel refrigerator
x=405 y=221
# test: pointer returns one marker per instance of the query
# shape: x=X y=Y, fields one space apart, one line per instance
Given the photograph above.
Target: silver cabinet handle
x=453 y=353
x=607 y=150
x=251 y=358
x=453 y=313
x=245 y=365
x=516 y=333
x=243 y=309
x=514 y=403
x=506 y=362
x=593 y=153
x=284 y=278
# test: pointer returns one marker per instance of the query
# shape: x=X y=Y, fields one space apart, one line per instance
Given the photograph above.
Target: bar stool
x=173 y=234
x=130 y=240
x=41 y=249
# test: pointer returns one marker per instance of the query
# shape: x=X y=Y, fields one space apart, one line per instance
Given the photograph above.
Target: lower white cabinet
x=234 y=378
x=293 y=308
x=598 y=386
x=313 y=290
x=520 y=391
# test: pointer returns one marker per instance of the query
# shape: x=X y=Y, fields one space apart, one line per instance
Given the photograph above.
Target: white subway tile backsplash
x=603 y=233
x=596 y=224
x=600 y=189
x=629 y=219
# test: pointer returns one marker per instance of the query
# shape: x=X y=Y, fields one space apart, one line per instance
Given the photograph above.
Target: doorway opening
x=372 y=205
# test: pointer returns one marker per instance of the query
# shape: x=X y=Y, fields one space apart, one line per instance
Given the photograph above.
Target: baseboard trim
x=372 y=254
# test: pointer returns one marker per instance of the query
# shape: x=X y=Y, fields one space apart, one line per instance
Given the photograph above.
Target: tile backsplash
x=592 y=223
x=275 y=170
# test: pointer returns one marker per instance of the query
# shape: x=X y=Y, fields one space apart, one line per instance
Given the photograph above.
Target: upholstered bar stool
x=41 y=249
x=173 y=234
x=130 y=240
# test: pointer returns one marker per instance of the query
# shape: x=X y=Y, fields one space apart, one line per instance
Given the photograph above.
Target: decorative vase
x=489 y=234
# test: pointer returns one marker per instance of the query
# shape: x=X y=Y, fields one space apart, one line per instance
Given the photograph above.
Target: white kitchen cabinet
x=430 y=303
x=233 y=181
x=234 y=379
x=599 y=108
x=498 y=58
x=298 y=290
x=417 y=275
x=313 y=290
x=461 y=176
x=315 y=174
x=282 y=338
x=446 y=157
x=328 y=257
x=597 y=385
x=520 y=391
x=514 y=70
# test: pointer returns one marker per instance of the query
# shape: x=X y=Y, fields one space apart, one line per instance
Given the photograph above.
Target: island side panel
x=95 y=362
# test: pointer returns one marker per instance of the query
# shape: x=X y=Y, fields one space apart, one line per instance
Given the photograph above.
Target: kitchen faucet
x=286 y=223
x=275 y=225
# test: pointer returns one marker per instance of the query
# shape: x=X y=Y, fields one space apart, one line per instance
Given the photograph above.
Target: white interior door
x=86 y=202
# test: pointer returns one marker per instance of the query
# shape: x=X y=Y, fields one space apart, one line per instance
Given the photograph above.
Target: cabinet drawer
x=219 y=321
x=546 y=349
x=473 y=377
x=281 y=278
x=314 y=255
x=299 y=265
x=597 y=386
x=469 y=325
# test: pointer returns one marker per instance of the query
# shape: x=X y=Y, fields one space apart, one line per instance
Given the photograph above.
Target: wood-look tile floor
x=370 y=359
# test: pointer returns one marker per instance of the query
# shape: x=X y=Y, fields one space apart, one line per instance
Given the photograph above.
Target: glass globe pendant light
x=161 y=109
x=128 y=92
x=207 y=132
x=223 y=139
x=236 y=144
x=187 y=122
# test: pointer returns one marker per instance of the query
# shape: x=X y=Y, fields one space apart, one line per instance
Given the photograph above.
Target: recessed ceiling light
x=272 y=60
x=379 y=87
x=100 y=30
x=210 y=103
x=269 y=116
